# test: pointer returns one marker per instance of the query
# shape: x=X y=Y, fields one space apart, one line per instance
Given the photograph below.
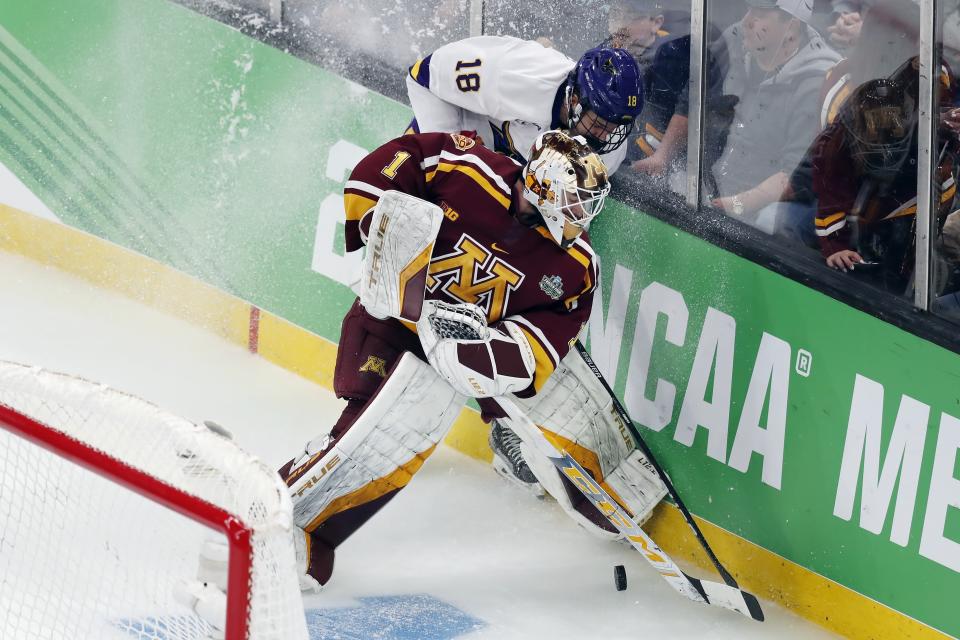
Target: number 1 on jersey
x=468 y=81
x=391 y=169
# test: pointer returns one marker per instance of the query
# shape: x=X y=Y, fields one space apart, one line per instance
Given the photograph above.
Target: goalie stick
x=721 y=595
x=625 y=418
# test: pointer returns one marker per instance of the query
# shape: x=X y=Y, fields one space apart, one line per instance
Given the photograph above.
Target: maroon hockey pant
x=369 y=348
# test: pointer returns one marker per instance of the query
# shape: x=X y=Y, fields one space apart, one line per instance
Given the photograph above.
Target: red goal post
x=85 y=468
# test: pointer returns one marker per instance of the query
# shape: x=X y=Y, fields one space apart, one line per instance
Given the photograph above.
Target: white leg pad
x=412 y=411
x=575 y=406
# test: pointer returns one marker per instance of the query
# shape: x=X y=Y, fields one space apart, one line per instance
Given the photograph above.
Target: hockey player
x=507 y=262
x=510 y=90
x=476 y=265
x=477 y=278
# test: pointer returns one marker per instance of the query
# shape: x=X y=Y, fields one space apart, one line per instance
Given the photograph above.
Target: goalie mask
x=566 y=182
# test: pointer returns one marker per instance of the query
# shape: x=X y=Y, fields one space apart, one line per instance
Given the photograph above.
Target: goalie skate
x=508 y=459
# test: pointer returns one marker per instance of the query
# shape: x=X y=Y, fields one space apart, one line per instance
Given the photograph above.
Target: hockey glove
x=477 y=360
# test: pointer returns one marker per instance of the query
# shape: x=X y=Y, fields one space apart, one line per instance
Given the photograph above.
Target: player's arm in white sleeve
x=431 y=112
x=614 y=159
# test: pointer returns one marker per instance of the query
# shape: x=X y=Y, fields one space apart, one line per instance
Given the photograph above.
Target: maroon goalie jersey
x=483 y=254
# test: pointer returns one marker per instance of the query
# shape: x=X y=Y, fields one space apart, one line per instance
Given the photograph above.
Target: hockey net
x=105 y=501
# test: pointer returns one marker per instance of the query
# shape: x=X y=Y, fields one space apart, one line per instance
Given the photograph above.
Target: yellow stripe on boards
x=772 y=577
x=119 y=269
x=296 y=349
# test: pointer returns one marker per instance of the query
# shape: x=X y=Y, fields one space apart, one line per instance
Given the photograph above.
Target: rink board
x=213 y=166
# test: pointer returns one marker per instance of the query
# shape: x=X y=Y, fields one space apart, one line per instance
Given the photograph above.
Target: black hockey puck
x=620 y=577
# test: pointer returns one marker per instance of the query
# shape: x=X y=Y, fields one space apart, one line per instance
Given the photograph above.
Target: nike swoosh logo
x=496 y=248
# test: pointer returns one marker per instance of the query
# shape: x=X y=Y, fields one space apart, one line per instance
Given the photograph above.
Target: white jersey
x=506 y=89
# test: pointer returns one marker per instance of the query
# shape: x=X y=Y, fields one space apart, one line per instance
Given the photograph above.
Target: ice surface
x=459 y=554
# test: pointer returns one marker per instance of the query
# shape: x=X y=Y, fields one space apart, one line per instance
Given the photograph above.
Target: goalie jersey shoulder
x=428 y=166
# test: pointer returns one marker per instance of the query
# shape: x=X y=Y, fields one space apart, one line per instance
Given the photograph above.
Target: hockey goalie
x=478 y=277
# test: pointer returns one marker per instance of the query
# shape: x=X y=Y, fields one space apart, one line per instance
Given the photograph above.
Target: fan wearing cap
x=639 y=26
x=777 y=66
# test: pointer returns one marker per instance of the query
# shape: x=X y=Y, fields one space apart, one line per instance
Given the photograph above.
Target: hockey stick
x=727 y=578
x=721 y=595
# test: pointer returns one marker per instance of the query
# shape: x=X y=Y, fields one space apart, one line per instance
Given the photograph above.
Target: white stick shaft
x=704 y=591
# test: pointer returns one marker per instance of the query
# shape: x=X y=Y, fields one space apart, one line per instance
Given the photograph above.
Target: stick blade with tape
x=732 y=598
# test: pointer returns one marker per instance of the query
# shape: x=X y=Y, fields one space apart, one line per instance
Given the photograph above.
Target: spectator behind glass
x=864 y=163
x=657 y=35
x=845 y=30
x=890 y=37
x=865 y=178
x=776 y=69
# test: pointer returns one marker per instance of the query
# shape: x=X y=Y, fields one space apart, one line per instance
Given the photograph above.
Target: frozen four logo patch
x=552 y=286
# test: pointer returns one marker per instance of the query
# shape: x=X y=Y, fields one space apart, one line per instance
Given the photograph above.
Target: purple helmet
x=606 y=82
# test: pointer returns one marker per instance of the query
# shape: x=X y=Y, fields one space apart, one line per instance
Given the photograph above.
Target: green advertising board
x=785 y=417
x=148 y=125
x=813 y=430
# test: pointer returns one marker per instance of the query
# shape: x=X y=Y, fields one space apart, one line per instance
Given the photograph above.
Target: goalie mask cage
x=105 y=501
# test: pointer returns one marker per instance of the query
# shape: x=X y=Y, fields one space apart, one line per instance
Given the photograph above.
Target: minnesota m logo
x=473 y=274
x=375 y=365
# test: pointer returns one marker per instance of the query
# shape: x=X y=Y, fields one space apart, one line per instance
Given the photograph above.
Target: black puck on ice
x=620 y=577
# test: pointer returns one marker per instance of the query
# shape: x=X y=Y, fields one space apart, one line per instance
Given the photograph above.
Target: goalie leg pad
x=579 y=412
x=342 y=482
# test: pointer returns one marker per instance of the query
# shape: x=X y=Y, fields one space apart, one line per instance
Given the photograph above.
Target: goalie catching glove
x=477 y=360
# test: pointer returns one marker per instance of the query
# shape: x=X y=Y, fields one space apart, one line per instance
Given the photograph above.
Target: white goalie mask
x=567 y=183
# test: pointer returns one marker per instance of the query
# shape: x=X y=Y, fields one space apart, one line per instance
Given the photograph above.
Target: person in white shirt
x=510 y=90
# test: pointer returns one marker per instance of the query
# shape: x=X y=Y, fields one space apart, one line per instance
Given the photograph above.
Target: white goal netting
x=88 y=556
